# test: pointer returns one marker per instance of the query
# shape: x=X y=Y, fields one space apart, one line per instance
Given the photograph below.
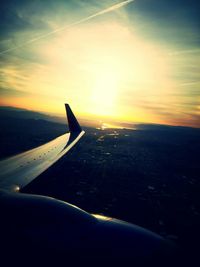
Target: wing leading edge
x=18 y=171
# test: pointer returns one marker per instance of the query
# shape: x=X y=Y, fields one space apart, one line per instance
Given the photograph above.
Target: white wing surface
x=17 y=171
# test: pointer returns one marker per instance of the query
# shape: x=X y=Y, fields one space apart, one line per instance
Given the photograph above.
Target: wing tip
x=73 y=124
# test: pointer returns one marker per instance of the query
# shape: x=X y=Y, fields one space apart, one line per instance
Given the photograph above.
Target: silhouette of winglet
x=73 y=124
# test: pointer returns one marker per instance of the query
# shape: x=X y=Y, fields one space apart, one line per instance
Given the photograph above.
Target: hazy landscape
x=149 y=176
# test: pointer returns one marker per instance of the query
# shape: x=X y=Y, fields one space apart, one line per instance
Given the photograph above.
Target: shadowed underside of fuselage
x=42 y=230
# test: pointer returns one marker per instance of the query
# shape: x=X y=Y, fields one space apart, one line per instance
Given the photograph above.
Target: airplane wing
x=48 y=230
x=17 y=171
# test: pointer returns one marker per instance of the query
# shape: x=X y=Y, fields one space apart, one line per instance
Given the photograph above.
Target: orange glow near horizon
x=90 y=67
x=104 y=70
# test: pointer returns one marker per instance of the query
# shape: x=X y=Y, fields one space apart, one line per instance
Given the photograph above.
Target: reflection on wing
x=18 y=171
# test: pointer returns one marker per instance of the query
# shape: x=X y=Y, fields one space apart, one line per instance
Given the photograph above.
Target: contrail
x=107 y=10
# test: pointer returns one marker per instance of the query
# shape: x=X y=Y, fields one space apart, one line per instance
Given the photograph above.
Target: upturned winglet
x=73 y=124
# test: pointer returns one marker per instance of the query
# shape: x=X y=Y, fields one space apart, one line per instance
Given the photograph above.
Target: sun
x=101 y=68
x=104 y=92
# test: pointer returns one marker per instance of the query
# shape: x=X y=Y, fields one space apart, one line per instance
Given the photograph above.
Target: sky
x=131 y=61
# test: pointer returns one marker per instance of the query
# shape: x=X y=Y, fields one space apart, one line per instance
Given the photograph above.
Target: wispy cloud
x=102 y=12
x=184 y=52
x=7 y=92
x=142 y=58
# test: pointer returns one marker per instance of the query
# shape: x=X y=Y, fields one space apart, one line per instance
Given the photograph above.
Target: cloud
x=7 y=92
x=77 y=62
x=102 y=12
x=185 y=52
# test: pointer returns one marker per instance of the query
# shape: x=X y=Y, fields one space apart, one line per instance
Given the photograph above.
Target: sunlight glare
x=96 y=66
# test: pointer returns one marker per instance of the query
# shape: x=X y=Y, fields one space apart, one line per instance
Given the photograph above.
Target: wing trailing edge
x=18 y=171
